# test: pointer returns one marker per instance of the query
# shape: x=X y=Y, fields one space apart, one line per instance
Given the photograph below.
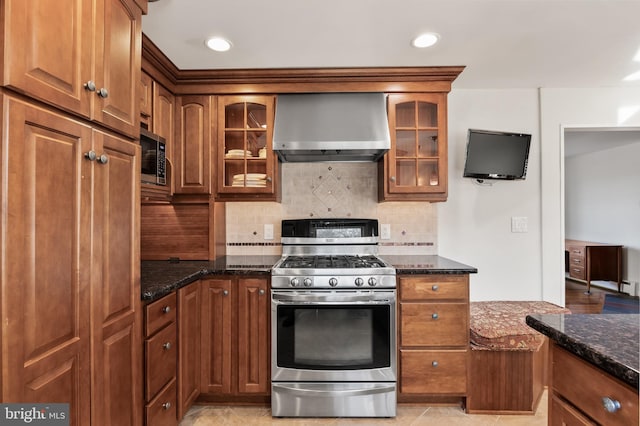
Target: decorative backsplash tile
x=331 y=190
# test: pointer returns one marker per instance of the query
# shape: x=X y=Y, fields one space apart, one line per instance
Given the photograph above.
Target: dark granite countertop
x=159 y=277
x=608 y=341
x=426 y=264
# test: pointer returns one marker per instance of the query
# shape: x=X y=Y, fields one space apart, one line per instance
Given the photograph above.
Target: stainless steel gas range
x=333 y=318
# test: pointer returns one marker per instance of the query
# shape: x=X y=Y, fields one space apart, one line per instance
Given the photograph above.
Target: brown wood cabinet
x=247 y=168
x=146 y=100
x=590 y=261
x=433 y=335
x=70 y=289
x=58 y=56
x=189 y=346
x=192 y=153
x=161 y=358
x=235 y=339
x=580 y=392
x=415 y=168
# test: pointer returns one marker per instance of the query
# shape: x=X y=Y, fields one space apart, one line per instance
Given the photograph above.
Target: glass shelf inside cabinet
x=245 y=143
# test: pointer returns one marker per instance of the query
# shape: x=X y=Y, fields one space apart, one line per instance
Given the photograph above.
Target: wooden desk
x=594 y=261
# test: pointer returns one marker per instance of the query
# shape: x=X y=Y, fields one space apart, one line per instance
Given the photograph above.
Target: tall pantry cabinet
x=69 y=190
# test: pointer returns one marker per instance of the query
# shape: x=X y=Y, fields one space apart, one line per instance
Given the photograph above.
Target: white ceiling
x=503 y=44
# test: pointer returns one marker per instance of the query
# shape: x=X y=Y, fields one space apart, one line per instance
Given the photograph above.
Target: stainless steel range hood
x=331 y=127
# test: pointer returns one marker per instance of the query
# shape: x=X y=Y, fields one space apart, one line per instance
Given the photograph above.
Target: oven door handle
x=299 y=299
x=378 y=388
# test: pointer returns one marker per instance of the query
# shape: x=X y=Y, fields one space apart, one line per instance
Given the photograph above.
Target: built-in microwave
x=153 y=158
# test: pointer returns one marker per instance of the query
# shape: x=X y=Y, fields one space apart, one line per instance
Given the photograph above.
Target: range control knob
x=307 y=282
x=333 y=282
x=295 y=282
x=359 y=282
x=372 y=281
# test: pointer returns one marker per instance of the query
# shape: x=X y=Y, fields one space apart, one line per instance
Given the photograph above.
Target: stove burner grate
x=326 y=262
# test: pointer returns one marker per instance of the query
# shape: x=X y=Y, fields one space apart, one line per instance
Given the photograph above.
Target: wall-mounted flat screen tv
x=496 y=155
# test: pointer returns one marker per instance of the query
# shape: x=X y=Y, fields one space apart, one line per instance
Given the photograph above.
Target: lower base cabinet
x=189 y=332
x=582 y=394
x=433 y=337
x=235 y=339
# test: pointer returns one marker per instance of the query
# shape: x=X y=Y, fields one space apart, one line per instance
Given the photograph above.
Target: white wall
x=571 y=108
x=474 y=225
x=602 y=201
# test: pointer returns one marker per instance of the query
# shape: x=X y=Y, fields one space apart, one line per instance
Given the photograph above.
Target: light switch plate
x=519 y=224
x=385 y=231
x=268 y=231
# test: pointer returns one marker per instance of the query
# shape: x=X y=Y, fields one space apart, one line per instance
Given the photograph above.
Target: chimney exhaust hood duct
x=316 y=127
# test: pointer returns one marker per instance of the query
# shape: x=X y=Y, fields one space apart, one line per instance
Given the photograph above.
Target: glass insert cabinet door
x=418 y=155
x=245 y=135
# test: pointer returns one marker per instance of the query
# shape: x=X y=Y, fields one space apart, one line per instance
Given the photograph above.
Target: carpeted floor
x=620 y=304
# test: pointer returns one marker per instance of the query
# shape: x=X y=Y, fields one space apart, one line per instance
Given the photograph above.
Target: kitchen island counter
x=607 y=341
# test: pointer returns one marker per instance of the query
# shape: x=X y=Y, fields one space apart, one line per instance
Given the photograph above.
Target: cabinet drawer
x=436 y=288
x=576 y=261
x=433 y=372
x=160 y=313
x=162 y=410
x=434 y=324
x=561 y=414
x=160 y=356
x=585 y=386
x=577 y=272
x=577 y=251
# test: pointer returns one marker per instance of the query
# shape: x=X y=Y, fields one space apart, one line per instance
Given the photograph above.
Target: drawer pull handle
x=166 y=309
x=434 y=363
x=435 y=287
x=610 y=405
x=166 y=346
x=434 y=316
x=166 y=405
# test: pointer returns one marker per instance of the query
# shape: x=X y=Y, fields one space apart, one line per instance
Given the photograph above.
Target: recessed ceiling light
x=425 y=40
x=218 y=44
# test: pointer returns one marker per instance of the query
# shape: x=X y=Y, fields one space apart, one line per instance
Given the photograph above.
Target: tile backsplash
x=330 y=190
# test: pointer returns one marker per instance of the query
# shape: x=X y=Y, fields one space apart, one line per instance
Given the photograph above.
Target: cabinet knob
x=225 y=292
x=392 y=178
x=90 y=86
x=434 y=363
x=103 y=159
x=103 y=93
x=166 y=309
x=434 y=316
x=166 y=346
x=269 y=179
x=261 y=292
x=166 y=405
x=610 y=405
x=91 y=155
x=435 y=287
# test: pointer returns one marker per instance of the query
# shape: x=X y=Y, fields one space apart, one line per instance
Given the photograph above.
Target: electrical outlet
x=385 y=231
x=519 y=224
x=268 y=231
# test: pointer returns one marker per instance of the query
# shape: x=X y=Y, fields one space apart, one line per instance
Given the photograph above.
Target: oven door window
x=345 y=337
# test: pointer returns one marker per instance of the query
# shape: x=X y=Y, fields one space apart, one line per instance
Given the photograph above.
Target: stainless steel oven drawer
x=313 y=399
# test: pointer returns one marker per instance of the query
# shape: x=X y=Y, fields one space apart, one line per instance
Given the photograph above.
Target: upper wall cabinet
x=192 y=153
x=90 y=70
x=247 y=166
x=415 y=168
x=146 y=100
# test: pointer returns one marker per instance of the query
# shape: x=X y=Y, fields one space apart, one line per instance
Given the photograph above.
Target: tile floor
x=203 y=415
